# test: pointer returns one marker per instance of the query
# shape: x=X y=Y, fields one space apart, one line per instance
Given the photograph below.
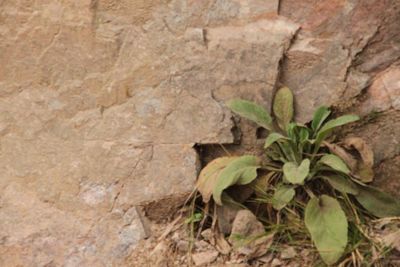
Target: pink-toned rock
x=384 y=92
x=248 y=236
x=307 y=57
x=204 y=258
x=391 y=81
x=338 y=49
x=381 y=134
x=101 y=103
x=388 y=175
x=377 y=98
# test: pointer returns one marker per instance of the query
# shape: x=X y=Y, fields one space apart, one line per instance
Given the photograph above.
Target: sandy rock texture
x=102 y=102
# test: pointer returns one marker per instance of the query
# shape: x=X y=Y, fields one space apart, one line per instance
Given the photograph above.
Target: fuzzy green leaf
x=320 y=116
x=208 y=176
x=335 y=163
x=330 y=125
x=291 y=131
x=272 y=138
x=296 y=174
x=342 y=184
x=241 y=171
x=339 y=122
x=251 y=111
x=286 y=150
x=303 y=135
x=282 y=196
x=283 y=107
x=327 y=224
x=377 y=202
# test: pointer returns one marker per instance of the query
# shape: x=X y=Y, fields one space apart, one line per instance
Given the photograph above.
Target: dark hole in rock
x=261 y=133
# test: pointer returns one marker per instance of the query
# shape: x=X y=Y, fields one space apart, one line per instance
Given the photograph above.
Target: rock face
x=102 y=101
x=339 y=39
x=248 y=236
x=384 y=92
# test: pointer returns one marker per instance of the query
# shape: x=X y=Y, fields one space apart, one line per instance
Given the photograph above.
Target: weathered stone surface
x=356 y=82
x=248 y=235
x=101 y=103
x=384 y=92
x=327 y=63
x=388 y=176
x=37 y=233
x=382 y=134
x=204 y=258
x=316 y=69
x=151 y=180
x=245 y=225
x=384 y=46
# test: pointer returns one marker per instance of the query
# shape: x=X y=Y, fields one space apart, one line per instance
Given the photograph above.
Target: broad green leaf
x=287 y=151
x=330 y=125
x=303 y=135
x=296 y=174
x=298 y=133
x=242 y=170
x=283 y=107
x=251 y=111
x=327 y=224
x=272 y=138
x=342 y=184
x=320 y=116
x=209 y=175
x=377 y=202
x=291 y=131
x=335 y=163
x=282 y=196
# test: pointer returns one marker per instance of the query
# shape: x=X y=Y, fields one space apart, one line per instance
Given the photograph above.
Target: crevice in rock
x=261 y=133
x=205 y=38
x=208 y=152
x=115 y=199
x=168 y=27
x=93 y=8
x=143 y=221
x=353 y=58
x=279 y=79
x=368 y=43
x=278 y=10
x=163 y=210
x=386 y=160
x=50 y=45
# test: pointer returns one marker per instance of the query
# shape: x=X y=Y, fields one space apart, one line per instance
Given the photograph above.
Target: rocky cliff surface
x=102 y=102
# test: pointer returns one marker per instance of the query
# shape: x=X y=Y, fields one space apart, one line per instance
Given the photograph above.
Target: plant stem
x=309 y=192
x=271 y=169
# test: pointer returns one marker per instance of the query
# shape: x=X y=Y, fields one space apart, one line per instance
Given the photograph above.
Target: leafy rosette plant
x=302 y=164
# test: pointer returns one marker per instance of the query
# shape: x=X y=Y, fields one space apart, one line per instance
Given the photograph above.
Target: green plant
x=304 y=172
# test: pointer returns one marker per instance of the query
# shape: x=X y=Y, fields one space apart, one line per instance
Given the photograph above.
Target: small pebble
x=182 y=246
x=203 y=258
